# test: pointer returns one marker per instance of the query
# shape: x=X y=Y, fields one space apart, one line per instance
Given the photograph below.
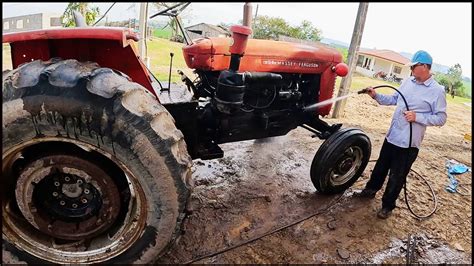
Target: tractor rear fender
x=109 y=47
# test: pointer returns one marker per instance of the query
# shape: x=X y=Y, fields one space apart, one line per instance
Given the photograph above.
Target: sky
x=442 y=29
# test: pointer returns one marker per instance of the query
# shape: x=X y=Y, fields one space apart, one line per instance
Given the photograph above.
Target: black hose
x=408 y=158
x=331 y=204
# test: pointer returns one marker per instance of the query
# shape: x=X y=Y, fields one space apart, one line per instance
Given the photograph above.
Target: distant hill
x=334 y=43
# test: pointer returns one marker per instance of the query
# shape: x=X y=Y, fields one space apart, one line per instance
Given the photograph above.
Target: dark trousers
x=396 y=162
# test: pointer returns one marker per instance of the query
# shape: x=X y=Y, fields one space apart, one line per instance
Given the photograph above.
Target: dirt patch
x=262 y=185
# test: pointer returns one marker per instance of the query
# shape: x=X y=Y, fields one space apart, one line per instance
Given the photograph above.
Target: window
x=27 y=20
x=367 y=63
x=397 y=70
x=19 y=24
x=6 y=25
x=55 y=22
x=360 y=59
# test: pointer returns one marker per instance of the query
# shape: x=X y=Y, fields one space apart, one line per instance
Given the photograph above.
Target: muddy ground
x=262 y=185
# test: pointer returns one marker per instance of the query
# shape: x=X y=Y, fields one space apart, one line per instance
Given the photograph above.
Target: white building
x=391 y=63
x=203 y=30
x=31 y=22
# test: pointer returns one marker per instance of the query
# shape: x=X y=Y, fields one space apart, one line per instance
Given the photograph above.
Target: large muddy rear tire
x=340 y=160
x=94 y=169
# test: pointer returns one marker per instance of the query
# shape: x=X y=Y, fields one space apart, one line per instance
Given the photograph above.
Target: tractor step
x=210 y=151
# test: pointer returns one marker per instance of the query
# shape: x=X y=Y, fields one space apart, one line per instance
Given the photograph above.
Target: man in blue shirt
x=426 y=100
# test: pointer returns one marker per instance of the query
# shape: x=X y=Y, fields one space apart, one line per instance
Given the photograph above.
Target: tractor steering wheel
x=172 y=9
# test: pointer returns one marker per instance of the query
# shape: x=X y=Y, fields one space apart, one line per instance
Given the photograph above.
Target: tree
x=89 y=13
x=306 y=31
x=266 y=27
x=452 y=81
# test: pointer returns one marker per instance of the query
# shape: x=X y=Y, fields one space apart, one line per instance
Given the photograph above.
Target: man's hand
x=370 y=92
x=410 y=116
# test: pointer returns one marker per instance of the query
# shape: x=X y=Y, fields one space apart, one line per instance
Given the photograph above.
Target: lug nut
x=79 y=181
x=67 y=179
x=84 y=201
x=55 y=194
x=56 y=183
x=62 y=202
x=86 y=191
x=74 y=205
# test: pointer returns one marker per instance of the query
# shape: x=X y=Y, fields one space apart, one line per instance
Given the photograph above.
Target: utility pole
x=256 y=12
x=248 y=14
x=353 y=49
x=142 y=28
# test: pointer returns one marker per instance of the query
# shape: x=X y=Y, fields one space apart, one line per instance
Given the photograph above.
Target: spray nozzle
x=363 y=91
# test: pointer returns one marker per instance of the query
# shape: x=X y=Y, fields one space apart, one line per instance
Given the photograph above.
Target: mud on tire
x=73 y=127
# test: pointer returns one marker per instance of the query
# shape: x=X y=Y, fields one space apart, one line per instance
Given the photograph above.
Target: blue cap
x=421 y=57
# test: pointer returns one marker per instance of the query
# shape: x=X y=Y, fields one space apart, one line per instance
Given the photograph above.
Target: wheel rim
x=346 y=166
x=64 y=208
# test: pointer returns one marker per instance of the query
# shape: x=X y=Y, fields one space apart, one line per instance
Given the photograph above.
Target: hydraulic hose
x=408 y=158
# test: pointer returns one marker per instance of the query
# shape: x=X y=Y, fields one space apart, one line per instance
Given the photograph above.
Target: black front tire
x=340 y=160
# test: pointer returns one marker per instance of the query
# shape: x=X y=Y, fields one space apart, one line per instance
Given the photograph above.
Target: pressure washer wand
x=363 y=91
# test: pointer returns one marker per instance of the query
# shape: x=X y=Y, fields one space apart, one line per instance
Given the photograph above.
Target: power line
x=104 y=14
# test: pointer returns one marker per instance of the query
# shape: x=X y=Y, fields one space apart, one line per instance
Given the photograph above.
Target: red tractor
x=97 y=162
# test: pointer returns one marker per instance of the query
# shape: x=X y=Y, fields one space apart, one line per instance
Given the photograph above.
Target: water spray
x=333 y=100
x=328 y=101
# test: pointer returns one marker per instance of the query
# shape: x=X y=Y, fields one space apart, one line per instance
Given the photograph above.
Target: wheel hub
x=73 y=200
x=67 y=197
x=345 y=165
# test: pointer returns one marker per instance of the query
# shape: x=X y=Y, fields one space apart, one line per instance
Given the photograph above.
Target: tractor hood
x=261 y=55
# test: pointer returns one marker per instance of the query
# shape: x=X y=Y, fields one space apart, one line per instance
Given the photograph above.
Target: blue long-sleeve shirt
x=427 y=99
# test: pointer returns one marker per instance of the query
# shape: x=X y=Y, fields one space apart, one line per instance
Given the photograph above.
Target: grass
x=162 y=33
x=360 y=82
x=468 y=87
x=457 y=99
x=159 y=52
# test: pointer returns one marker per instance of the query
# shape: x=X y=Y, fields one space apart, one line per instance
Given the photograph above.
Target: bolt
x=50 y=227
x=56 y=183
x=74 y=205
x=84 y=200
x=67 y=179
x=62 y=202
x=86 y=191
x=99 y=221
x=79 y=181
x=55 y=194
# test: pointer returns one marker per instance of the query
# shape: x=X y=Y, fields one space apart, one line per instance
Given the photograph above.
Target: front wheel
x=340 y=160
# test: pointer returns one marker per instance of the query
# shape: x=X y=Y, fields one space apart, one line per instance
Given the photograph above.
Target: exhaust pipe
x=240 y=35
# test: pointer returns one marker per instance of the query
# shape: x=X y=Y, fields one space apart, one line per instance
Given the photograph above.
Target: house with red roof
x=371 y=61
